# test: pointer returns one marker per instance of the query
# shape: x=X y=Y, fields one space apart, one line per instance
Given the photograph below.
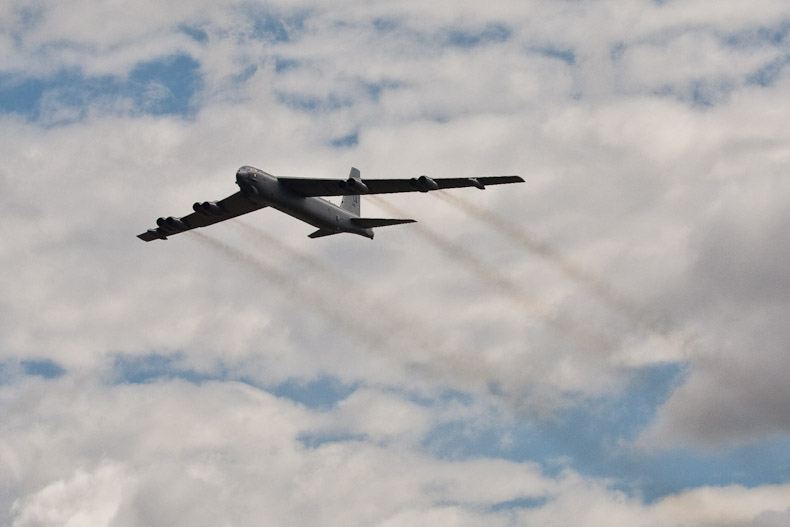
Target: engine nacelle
x=424 y=183
x=207 y=208
x=354 y=185
x=476 y=182
x=171 y=224
x=176 y=223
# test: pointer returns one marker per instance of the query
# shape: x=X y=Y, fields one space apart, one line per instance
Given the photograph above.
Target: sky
x=606 y=343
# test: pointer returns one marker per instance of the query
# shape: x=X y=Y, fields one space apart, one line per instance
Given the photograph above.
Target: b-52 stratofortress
x=299 y=197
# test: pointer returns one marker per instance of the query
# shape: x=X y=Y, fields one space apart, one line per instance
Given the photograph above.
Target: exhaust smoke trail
x=314 y=264
x=346 y=287
x=404 y=338
x=287 y=283
x=405 y=329
x=478 y=267
x=597 y=286
x=494 y=277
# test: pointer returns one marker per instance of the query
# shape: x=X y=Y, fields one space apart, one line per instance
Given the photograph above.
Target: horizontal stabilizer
x=369 y=223
x=320 y=233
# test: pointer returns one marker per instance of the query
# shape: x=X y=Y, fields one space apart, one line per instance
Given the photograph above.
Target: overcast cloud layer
x=604 y=344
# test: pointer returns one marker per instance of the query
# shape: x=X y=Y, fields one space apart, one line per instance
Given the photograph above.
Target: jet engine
x=354 y=185
x=171 y=224
x=424 y=183
x=207 y=208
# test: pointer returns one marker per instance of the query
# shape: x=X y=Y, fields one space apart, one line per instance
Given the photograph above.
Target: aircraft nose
x=242 y=174
x=244 y=179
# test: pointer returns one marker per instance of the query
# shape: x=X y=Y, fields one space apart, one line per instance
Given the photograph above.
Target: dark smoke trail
x=405 y=339
x=478 y=267
x=308 y=297
x=314 y=264
x=597 y=286
x=494 y=277
x=403 y=329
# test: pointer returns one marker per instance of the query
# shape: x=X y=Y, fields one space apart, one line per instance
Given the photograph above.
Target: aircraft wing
x=341 y=187
x=206 y=213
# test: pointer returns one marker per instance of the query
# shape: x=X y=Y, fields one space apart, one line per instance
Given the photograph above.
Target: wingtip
x=151 y=235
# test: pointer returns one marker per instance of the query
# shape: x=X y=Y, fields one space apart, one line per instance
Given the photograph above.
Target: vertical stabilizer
x=352 y=203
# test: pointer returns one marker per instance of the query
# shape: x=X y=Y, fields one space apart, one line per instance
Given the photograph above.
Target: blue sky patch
x=195 y=33
x=761 y=36
x=593 y=439
x=703 y=93
x=272 y=27
x=179 y=75
x=346 y=141
x=45 y=368
x=565 y=55
x=282 y=65
x=375 y=89
x=491 y=34
x=385 y=25
x=769 y=73
x=155 y=367
x=269 y=27
x=520 y=503
x=29 y=16
x=42 y=368
x=247 y=74
x=161 y=87
x=322 y=393
x=313 y=441
x=312 y=103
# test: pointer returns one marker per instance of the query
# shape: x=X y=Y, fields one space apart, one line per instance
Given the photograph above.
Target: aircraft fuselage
x=267 y=190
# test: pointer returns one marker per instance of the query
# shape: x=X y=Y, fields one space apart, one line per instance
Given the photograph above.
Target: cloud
x=84 y=497
x=654 y=144
x=236 y=438
x=736 y=392
x=108 y=456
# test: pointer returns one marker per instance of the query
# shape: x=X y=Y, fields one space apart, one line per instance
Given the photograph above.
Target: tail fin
x=352 y=203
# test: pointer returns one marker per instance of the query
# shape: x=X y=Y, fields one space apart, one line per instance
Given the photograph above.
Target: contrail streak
x=405 y=329
x=478 y=267
x=494 y=277
x=405 y=339
x=308 y=297
x=314 y=264
x=597 y=286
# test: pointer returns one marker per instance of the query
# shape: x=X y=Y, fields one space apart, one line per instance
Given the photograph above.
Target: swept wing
x=308 y=187
x=206 y=213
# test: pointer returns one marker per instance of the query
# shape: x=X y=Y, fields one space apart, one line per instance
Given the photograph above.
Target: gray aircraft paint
x=319 y=213
x=300 y=198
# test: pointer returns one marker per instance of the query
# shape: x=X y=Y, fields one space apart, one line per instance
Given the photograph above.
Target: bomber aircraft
x=299 y=197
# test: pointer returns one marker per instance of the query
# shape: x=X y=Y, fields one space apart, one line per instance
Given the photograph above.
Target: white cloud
x=617 y=183
x=81 y=499
x=75 y=451
x=225 y=452
x=693 y=57
x=677 y=209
